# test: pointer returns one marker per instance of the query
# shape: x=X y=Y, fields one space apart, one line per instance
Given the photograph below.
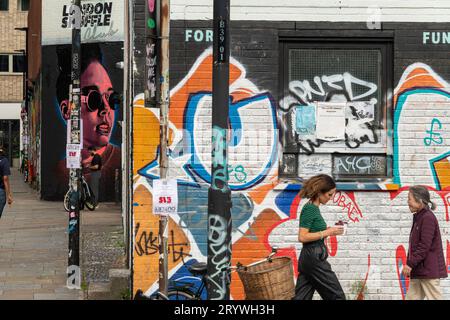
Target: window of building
x=23 y=5
x=336 y=110
x=4 y=62
x=18 y=63
x=4 y=5
x=12 y=63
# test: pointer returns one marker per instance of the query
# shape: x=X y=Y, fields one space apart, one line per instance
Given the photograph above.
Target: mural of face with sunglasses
x=98 y=103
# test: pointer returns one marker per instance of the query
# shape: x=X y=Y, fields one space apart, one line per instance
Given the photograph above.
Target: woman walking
x=314 y=270
x=425 y=264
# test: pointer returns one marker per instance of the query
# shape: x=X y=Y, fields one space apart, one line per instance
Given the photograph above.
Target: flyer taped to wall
x=165 y=196
x=330 y=119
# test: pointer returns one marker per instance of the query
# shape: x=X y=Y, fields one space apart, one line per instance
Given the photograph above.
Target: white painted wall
x=325 y=10
x=10 y=111
x=53 y=31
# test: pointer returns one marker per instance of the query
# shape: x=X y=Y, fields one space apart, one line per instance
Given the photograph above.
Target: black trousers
x=315 y=274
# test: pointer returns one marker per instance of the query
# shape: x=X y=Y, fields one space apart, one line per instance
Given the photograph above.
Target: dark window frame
x=20 y=6
x=7 y=56
x=385 y=45
x=11 y=64
x=23 y=63
x=2 y=3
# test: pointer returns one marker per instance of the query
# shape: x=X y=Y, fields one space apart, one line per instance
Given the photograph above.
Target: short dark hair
x=89 y=52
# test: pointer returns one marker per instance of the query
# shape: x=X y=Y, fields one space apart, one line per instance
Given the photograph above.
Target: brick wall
x=11 y=88
x=265 y=209
x=11 y=40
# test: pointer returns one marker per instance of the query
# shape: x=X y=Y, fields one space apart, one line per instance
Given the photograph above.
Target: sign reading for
x=165 y=197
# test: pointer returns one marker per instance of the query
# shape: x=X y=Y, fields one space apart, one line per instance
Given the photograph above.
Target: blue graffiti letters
x=219 y=159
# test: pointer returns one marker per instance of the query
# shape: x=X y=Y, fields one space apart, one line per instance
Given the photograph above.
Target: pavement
x=34 y=244
x=102 y=242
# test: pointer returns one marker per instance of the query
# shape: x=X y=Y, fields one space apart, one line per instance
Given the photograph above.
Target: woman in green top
x=314 y=270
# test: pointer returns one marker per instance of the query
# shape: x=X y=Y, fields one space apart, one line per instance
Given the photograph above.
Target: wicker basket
x=269 y=280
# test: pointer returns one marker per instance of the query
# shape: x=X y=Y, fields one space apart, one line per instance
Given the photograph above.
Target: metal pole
x=73 y=269
x=163 y=101
x=219 y=195
x=157 y=95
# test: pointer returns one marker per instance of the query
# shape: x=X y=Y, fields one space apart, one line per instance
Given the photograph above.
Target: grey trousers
x=94 y=184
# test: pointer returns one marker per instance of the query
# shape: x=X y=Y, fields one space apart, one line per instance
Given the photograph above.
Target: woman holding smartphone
x=315 y=271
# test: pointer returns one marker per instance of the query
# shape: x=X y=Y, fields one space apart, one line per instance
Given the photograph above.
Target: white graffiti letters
x=305 y=92
x=74 y=277
x=221 y=253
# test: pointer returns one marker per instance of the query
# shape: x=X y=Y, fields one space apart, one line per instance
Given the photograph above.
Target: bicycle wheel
x=88 y=197
x=89 y=205
x=67 y=201
x=181 y=295
x=156 y=296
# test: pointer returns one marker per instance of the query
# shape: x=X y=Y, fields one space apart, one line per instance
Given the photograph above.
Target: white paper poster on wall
x=330 y=121
x=165 y=196
x=73 y=156
x=102 y=21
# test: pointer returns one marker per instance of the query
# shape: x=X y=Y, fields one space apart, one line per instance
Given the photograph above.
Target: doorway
x=10 y=140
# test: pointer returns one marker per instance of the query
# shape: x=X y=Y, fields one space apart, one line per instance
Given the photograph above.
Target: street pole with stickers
x=157 y=27
x=219 y=193
x=73 y=150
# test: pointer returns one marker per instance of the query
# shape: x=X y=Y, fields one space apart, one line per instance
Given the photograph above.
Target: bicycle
x=86 y=197
x=180 y=290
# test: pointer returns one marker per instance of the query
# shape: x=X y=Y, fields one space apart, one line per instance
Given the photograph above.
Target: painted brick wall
x=265 y=210
x=327 y=10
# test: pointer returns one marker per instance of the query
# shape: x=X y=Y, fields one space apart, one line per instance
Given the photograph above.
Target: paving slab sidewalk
x=33 y=247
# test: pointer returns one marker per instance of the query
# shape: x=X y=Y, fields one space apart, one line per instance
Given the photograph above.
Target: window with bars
x=334 y=108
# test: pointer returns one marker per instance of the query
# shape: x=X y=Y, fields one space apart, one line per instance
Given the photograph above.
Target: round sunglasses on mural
x=95 y=101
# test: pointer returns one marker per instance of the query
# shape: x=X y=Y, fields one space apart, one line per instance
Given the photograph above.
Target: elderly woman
x=425 y=264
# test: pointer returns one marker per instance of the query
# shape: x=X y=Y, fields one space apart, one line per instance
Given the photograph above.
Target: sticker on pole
x=165 y=197
x=73 y=156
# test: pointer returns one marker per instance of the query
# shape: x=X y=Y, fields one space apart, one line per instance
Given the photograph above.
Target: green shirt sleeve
x=307 y=216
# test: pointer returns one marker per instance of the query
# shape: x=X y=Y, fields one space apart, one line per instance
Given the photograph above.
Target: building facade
x=13 y=14
x=358 y=90
x=102 y=36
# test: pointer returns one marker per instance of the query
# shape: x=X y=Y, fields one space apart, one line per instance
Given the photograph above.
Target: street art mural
x=265 y=211
x=419 y=88
x=101 y=86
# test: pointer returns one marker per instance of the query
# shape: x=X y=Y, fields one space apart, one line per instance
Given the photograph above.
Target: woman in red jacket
x=425 y=264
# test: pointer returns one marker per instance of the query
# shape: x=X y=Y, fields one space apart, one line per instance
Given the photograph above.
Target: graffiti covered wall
x=265 y=208
x=102 y=24
x=99 y=118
